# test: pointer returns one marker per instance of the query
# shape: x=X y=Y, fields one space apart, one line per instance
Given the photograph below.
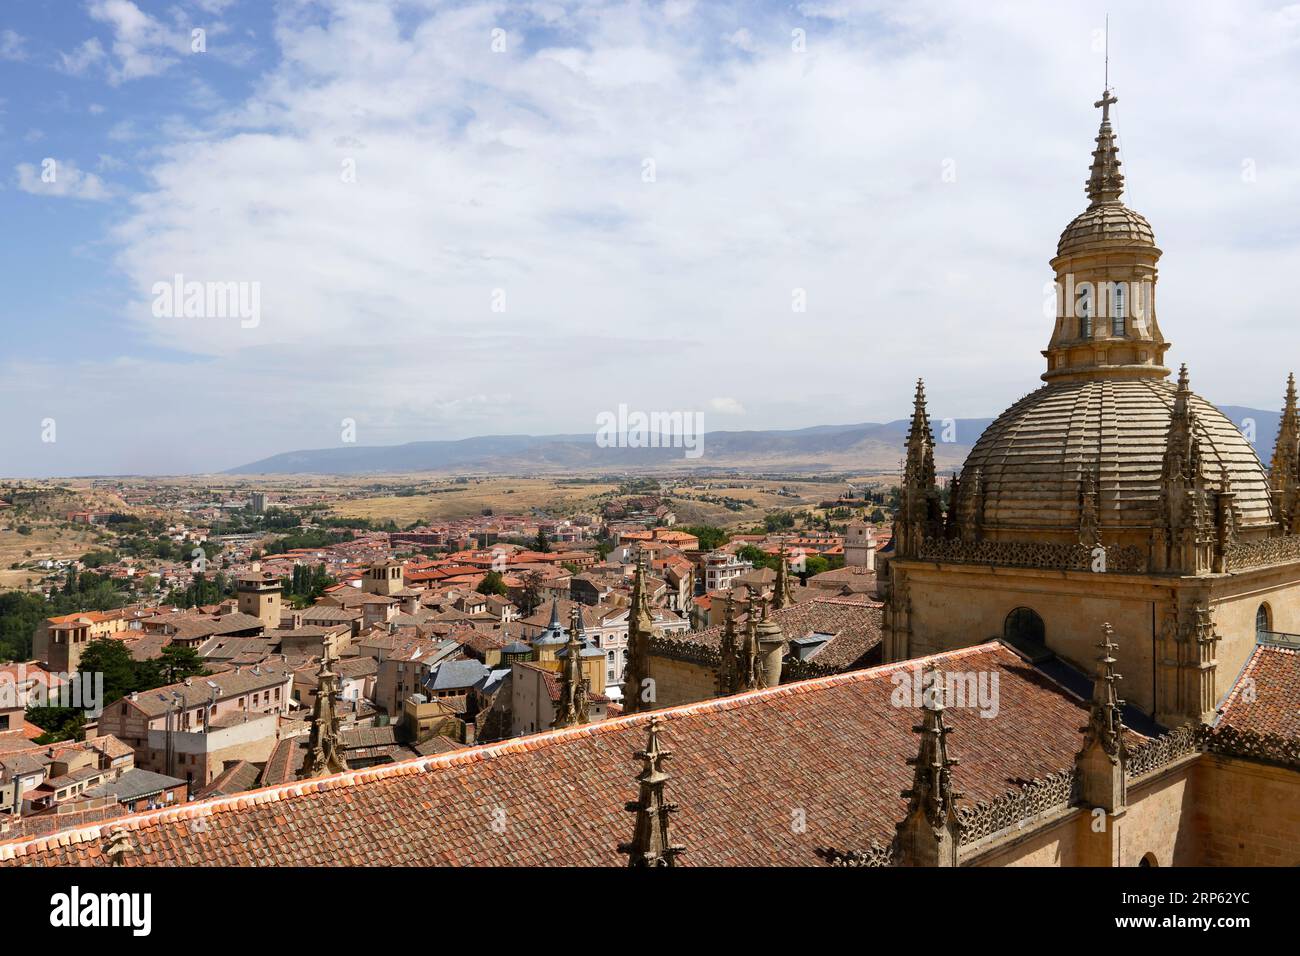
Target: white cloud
x=60 y=178
x=774 y=171
x=12 y=46
x=90 y=53
x=142 y=46
x=726 y=406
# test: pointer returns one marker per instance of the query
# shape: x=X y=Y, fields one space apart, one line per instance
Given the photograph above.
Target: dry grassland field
x=444 y=500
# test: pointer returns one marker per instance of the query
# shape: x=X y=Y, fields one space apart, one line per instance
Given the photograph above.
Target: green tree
x=710 y=537
x=541 y=543
x=530 y=599
x=171 y=666
x=114 y=661
x=59 y=723
x=757 y=556
x=492 y=583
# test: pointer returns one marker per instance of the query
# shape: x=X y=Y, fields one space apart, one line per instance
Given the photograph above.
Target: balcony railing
x=1281 y=638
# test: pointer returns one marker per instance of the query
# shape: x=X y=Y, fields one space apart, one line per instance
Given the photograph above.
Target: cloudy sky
x=502 y=218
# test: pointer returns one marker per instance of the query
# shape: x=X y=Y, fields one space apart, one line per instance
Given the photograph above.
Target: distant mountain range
x=864 y=447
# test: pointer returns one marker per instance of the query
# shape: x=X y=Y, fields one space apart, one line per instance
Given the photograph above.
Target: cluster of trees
x=711 y=537
x=21 y=612
x=123 y=675
x=201 y=591
x=813 y=563
x=307 y=584
x=308 y=538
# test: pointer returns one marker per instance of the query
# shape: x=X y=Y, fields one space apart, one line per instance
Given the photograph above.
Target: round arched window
x=1024 y=626
x=1263 y=619
x=1148 y=860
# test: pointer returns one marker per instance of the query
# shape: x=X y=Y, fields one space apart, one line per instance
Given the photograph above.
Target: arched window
x=1024 y=627
x=1263 y=619
x=1083 y=309
x=1148 y=860
x=1117 y=309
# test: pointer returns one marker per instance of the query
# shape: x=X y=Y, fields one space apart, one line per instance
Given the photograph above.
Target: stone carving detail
x=1028 y=554
x=1059 y=790
x=692 y=652
x=1228 y=741
x=1163 y=750
x=1252 y=745
x=1253 y=554
x=874 y=855
x=1015 y=807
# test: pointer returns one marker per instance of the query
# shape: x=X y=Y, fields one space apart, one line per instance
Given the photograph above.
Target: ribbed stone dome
x=1102 y=227
x=1032 y=458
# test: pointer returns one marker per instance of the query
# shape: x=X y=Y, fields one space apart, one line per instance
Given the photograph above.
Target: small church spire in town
x=572 y=707
x=1102 y=759
x=650 y=845
x=929 y=834
x=324 y=752
x=640 y=628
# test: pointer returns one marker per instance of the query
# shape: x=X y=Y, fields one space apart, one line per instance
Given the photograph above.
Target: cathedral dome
x=1103 y=227
x=1027 y=475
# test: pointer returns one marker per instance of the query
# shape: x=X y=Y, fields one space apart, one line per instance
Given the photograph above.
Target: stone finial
x=728 y=650
x=930 y=832
x=920 y=513
x=1102 y=760
x=1185 y=532
x=640 y=629
x=650 y=845
x=781 y=590
x=1089 y=509
x=1105 y=181
x=117 y=847
x=771 y=650
x=1284 y=470
x=749 y=657
x=573 y=706
x=324 y=750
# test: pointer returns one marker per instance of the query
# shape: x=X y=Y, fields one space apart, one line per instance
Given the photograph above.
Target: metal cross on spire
x=1106 y=99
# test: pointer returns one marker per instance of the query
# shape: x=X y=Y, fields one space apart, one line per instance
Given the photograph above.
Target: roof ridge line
x=414 y=765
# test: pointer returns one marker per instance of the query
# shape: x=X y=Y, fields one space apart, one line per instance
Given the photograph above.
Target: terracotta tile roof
x=1266 y=697
x=833 y=747
x=854 y=622
x=236 y=778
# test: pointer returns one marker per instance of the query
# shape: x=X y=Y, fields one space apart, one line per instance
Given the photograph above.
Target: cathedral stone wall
x=680 y=682
x=1246 y=813
x=1236 y=602
x=1159 y=821
x=955 y=607
x=1054 y=845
